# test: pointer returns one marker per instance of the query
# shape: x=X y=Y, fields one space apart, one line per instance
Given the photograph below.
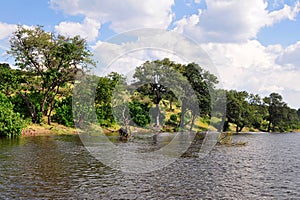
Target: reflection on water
x=60 y=167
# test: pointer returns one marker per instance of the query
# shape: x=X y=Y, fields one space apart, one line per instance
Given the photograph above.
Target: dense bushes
x=11 y=123
x=139 y=113
x=63 y=112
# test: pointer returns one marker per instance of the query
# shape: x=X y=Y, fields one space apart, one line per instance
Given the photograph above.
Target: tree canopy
x=52 y=61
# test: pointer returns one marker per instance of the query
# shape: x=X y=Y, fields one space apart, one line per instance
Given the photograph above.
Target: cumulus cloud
x=253 y=67
x=151 y=44
x=232 y=21
x=246 y=66
x=226 y=29
x=89 y=29
x=290 y=56
x=6 y=30
x=123 y=15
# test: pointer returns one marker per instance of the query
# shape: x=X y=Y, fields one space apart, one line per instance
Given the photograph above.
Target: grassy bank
x=45 y=129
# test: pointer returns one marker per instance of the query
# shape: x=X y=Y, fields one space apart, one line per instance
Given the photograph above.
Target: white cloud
x=253 y=67
x=246 y=66
x=290 y=56
x=89 y=29
x=287 y=12
x=6 y=30
x=123 y=15
x=232 y=21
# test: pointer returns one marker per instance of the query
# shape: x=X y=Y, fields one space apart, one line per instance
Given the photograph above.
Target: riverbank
x=45 y=129
x=58 y=129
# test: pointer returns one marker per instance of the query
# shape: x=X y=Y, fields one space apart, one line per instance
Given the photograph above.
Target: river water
x=59 y=167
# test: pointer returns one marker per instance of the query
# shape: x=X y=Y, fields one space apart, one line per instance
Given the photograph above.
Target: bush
x=11 y=123
x=63 y=112
x=105 y=115
x=139 y=113
x=20 y=106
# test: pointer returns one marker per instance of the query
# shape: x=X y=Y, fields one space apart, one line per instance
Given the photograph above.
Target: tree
x=277 y=112
x=52 y=60
x=11 y=123
x=103 y=98
x=150 y=79
x=239 y=111
x=203 y=84
x=10 y=79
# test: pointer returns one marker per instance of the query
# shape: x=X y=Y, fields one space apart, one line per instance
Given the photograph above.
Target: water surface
x=59 y=167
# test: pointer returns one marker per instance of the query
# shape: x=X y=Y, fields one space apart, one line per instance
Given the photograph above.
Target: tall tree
x=276 y=110
x=103 y=97
x=239 y=111
x=202 y=83
x=150 y=76
x=258 y=111
x=53 y=60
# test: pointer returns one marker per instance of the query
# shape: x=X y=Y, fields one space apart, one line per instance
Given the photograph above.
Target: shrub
x=11 y=123
x=139 y=113
x=63 y=112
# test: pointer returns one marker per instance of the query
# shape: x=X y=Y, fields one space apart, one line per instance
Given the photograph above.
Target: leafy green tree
x=150 y=78
x=53 y=60
x=258 y=111
x=103 y=98
x=83 y=101
x=289 y=119
x=278 y=113
x=239 y=111
x=203 y=84
x=10 y=79
x=11 y=123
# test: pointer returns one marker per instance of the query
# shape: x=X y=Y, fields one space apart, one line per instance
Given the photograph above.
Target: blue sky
x=255 y=45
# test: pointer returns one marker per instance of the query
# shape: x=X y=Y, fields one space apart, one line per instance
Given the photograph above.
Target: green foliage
x=239 y=110
x=63 y=112
x=280 y=116
x=83 y=103
x=20 y=106
x=51 y=61
x=173 y=117
x=202 y=82
x=103 y=98
x=104 y=114
x=11 y=123
x=139 y=113
x=10 y=79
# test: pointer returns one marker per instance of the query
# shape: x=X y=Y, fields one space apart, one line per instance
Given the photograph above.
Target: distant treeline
x=163 y=95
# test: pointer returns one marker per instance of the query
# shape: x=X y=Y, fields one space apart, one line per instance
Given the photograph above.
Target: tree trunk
x=126 y=122
x=43 y=106
x=49 y=119
x=181 y=125
x=223 y=124
x=49 y=114
x=269 y=127
x=171 y=106
x=183 y=111
x=226 y=126
x=157 y=116
x=193 y=122
x=237 y=129
x=241 y=128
